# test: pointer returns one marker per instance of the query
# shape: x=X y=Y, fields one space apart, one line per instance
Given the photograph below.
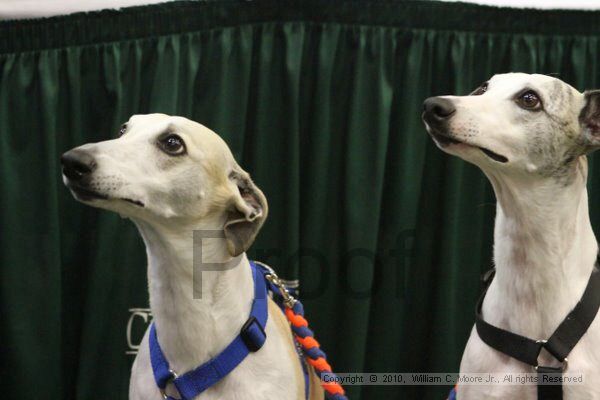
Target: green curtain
x=320 y=101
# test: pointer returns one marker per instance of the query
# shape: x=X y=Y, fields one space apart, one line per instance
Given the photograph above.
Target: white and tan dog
x=530 y=135
x=172 y=176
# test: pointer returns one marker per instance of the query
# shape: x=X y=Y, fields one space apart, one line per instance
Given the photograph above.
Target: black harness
x=560 y=344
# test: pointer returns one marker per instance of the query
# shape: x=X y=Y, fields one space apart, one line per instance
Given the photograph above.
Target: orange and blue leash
x=311 y=349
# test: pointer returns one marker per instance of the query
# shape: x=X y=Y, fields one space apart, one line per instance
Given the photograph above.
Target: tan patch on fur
x=316 y=391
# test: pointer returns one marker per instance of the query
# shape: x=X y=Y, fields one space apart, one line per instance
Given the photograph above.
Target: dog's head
x=165 y=170
x=517 y=124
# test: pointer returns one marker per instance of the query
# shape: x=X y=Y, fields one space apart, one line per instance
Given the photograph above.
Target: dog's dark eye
x=480 y=90
x=529 y=100
x=122 y=130
x=172 y=144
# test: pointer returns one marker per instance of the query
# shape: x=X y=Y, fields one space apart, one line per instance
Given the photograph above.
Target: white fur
x=182 y=194
x=544 y=247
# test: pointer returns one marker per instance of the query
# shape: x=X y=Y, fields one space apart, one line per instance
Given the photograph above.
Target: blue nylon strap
x=452 y=395
x=194 y=382
x=160 y=365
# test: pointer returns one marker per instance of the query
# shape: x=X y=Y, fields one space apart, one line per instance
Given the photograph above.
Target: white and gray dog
x=530 y=135
x=171 y=177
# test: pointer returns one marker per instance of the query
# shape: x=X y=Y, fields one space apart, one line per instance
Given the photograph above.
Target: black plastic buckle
x=249 y=335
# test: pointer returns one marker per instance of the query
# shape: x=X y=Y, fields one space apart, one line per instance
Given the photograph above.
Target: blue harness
x=251 y=338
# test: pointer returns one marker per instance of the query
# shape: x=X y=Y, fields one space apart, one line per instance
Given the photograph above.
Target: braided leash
x=294 y=312
x=312 y=351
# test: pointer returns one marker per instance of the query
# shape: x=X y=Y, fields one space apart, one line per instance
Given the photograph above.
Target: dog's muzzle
x=437 y=112
x=78 y=168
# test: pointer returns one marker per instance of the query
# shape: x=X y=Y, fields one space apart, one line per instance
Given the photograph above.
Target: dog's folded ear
x=589 y=119
x=246 y=215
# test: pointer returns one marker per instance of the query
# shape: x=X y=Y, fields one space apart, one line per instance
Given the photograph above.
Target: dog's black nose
x=77 y=164
x=438 y=109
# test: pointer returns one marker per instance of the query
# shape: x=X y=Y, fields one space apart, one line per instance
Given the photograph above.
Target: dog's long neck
x=193 y=330
x=544 y=251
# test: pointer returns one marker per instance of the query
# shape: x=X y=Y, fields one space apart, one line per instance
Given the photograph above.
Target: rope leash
x=312 y=350
x=294 y=312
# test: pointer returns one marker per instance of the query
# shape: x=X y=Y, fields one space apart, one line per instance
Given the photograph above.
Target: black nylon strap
x=519 y=347
x=516 y=346
x=560 y=344
x=547 y=390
